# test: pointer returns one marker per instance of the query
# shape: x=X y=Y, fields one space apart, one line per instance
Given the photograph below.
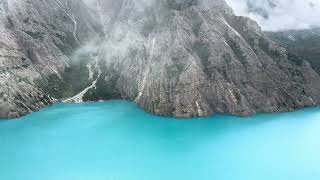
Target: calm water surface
x=115 y=140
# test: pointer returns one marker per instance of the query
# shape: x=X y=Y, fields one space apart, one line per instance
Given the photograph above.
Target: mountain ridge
x=182 y=58
x=303 y=43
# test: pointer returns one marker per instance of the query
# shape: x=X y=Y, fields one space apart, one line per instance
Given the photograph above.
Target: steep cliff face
x=37 y=41
x=180 y=58
x=194 y=58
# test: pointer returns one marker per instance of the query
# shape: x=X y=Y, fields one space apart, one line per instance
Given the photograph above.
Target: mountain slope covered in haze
x=303 y=43
x=276 y=15
x=180 y=58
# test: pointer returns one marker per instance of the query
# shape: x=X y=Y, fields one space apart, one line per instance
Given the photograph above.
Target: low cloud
x=275 y=15
x=272 y=15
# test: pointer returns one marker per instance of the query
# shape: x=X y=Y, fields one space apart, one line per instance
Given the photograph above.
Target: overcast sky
x=277 y=15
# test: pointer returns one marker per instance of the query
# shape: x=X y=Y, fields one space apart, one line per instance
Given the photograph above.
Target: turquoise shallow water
x=115 y=140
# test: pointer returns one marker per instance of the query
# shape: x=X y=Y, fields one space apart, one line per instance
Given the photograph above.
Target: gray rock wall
x=188 y=59
x=37 y=41
x=180 y=58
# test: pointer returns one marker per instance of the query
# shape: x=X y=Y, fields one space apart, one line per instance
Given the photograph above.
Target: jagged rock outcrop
x=180 y=58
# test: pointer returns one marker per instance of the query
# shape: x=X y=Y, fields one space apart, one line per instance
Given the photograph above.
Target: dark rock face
x=303 y=43
x=181 y=58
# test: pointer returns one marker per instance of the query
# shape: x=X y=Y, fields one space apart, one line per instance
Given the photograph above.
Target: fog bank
x=275 y=15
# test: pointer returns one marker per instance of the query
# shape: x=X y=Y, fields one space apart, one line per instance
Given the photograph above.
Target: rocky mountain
x=180 y=58
x=38 y=40
x=303 y=43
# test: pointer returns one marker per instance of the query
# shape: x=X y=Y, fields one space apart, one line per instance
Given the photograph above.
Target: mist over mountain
x=180 y=58
x=303 y=43
x=275 y=15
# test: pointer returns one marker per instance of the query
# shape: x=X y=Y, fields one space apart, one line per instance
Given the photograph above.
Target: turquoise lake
x=116 y=140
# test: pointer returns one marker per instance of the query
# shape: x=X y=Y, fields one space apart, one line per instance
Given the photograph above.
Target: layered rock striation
x=181 y=58
x=38 y=40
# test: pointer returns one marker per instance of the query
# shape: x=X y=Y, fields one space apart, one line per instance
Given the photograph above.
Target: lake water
x=115 y=140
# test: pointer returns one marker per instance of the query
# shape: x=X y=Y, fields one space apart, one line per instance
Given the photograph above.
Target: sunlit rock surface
x=179 y=58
